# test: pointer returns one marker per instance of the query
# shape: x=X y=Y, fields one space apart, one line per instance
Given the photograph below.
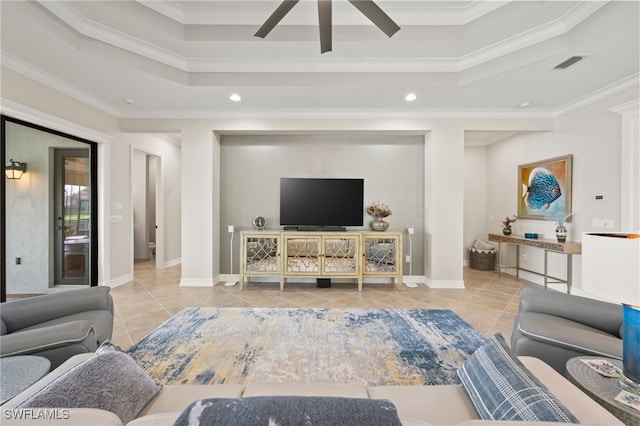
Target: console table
x=321 y=254
x=567 y=248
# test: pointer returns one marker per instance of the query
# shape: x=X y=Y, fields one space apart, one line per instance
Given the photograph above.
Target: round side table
x=601 y=389
x=19 y=372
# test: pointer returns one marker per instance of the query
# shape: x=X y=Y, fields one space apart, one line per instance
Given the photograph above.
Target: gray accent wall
x=392 y=167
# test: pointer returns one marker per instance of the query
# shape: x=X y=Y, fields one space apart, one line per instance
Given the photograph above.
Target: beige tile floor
x=488 y=302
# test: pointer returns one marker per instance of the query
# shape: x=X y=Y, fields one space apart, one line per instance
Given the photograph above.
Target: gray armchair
x=555 y=327
x=57 y=325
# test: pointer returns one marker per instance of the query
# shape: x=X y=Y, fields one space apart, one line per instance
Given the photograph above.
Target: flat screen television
x=321 y=203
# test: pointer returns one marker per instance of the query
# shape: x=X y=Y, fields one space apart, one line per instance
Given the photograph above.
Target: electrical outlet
x=407 y=259
x=524 y=255
x=18 y=261
x=411 y=231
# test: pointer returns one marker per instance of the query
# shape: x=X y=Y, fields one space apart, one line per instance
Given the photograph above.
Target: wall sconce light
x=15 y=169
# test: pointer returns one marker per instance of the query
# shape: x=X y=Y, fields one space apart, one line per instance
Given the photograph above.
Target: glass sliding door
x=72 y=213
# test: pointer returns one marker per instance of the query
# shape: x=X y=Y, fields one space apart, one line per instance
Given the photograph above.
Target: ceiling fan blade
x=275 y=17
x=325 y=24
x=376 y=15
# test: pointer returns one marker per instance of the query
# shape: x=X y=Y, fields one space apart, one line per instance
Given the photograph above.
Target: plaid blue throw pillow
x=502 y=388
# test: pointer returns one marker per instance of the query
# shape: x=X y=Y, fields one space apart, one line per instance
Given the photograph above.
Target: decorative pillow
x=502 y=388
x=289 y=410
x=110 y=381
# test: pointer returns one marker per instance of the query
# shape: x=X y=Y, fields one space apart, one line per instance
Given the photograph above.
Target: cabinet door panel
x=381 y=254
x=261 y=254
x=303 y=255
x=340 y=255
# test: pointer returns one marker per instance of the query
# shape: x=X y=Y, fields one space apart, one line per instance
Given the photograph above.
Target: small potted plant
x=506 y=223
x=379 y=211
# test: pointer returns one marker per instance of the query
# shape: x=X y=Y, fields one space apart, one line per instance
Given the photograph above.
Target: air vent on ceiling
x=566 y=64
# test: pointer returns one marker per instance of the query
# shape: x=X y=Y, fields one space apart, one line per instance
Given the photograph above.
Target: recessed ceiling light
x=410 y=97
x=525 y=104
x=235 y=97
x=129 y=101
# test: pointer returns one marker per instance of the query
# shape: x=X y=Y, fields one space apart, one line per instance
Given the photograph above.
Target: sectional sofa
x=415 y=405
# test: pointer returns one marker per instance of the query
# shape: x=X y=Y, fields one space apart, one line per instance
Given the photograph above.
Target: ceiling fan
x=367 y=7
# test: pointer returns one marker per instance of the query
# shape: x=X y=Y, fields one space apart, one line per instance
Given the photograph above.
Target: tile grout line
x=124 y=326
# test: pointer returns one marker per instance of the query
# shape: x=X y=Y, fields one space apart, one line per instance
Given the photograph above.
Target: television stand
x=289 y=255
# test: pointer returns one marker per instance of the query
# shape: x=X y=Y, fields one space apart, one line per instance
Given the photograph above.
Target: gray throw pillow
x=110 y=381
x=502 y=388
x=289 y=411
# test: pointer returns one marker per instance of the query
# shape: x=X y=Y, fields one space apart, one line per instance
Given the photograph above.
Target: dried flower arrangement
x=378 y=210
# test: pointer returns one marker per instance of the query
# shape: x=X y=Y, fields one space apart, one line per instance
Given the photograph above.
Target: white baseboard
x=413 y=280
x=172 y=262
x=119 y=281
x=196 y=282
x=229 y=279
x=453 y=284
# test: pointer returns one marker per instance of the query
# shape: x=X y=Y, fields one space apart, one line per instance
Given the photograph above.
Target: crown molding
x=531 y=37
x=25 y=113
x=627 y=108
x=94 y=30
x=174 y=138
x=68 y=14
x=36 y=74
x=237 y=13
x=597 y=95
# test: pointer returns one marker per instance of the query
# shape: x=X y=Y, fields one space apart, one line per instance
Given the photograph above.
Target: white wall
x=592 y=135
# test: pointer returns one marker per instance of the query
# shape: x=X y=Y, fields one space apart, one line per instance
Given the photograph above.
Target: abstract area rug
x=249 y=345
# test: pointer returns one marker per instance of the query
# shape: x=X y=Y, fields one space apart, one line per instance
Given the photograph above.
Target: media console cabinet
x=294 y=254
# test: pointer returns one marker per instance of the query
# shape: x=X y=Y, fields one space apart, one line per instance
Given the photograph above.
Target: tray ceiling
x=185 y=58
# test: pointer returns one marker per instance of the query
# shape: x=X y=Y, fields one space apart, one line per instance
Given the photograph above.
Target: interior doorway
x=147 y=247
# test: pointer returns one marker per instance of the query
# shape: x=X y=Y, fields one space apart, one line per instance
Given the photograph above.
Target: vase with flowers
x=379 y=211
x=506 y=223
